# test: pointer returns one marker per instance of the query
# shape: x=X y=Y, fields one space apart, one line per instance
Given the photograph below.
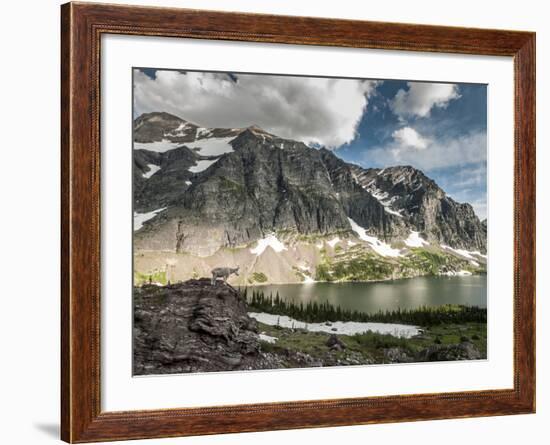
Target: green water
x=387 y=295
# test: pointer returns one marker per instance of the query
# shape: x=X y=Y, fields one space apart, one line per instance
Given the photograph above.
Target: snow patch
x=471 y=255
x=203 y=132
x=188 y=183
x=202 y=165
x=159 y=147
x=392 y=212
x=415 y=240
x=458 y=273
x=212 y=146
x=351 y=243
x=337 y=327
x=268 y=241
x=464 y=273
x=382 y=197
x=180 y=130
x=333 y=241
x=140 y=218
x=378 y=246
x=152 y=170
x=268 y=338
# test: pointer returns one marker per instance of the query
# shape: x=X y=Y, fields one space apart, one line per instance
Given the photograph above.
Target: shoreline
x=441 y=275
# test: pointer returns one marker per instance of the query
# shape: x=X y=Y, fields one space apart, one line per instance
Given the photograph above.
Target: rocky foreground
x=196 y=327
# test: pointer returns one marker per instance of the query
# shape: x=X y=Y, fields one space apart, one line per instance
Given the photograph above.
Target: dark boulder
x=335 y=343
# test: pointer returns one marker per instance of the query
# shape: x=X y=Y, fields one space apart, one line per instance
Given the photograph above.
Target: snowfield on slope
x=415 y=240
x=337 y=327
x=140 y=218
x=471 y=255
x=212 y=146
x=268 y=241
x=201 y=165
x=378 y=246
x=152 y=170
x=159 y=147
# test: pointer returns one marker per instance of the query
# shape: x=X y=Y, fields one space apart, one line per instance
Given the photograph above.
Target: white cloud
x=409 y=137
x=480 y=207
x=470 y=148
x=313 y=110
x=421 y=97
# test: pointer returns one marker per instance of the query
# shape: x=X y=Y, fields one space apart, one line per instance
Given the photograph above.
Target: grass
x=156 y=276
x=357 y=264
x=371 y=345
x=259 y=277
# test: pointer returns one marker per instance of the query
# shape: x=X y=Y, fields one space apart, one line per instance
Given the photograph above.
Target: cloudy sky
x=439 y=128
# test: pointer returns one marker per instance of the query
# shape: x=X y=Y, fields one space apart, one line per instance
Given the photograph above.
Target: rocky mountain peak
x=424 y=205
x=159 y=126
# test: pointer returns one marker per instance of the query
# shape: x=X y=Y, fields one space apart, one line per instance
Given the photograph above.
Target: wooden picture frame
x=82 y=26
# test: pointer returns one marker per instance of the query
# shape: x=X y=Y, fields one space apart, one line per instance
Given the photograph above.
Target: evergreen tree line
x=314 y=312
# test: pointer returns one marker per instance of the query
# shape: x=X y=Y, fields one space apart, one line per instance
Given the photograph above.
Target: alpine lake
x=371 y=297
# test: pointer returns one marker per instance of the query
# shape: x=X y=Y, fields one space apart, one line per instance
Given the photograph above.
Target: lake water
x=374 y=296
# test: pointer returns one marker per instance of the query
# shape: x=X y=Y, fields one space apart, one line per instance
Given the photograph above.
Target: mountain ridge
x=232 y=188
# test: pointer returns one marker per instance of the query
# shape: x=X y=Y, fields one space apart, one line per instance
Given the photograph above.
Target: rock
x=335 y=343
x=461 y=351
x=397 y=355
x=192 y=326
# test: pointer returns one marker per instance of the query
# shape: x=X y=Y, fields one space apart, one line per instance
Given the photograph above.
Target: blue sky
x=460 y=125
x=439 y=128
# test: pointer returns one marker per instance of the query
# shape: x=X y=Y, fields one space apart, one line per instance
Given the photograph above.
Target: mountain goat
x=224 y=273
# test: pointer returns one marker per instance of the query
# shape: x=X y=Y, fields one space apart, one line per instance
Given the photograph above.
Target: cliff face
x=424 y=206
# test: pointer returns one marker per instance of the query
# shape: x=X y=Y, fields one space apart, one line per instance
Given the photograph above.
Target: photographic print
x=294 y=222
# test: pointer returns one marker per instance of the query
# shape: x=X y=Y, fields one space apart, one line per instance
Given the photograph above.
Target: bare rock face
x=424 y=206
x=192 y=327
x=461 y=351
x=153 y=191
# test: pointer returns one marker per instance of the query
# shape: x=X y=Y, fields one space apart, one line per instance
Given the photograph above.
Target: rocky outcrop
x=192 y=327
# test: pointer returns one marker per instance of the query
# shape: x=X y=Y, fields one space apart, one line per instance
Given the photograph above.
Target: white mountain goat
x=224 y=273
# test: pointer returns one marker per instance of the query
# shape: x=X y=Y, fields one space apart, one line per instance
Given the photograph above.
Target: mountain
x=233 y=196
x=423 y=205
